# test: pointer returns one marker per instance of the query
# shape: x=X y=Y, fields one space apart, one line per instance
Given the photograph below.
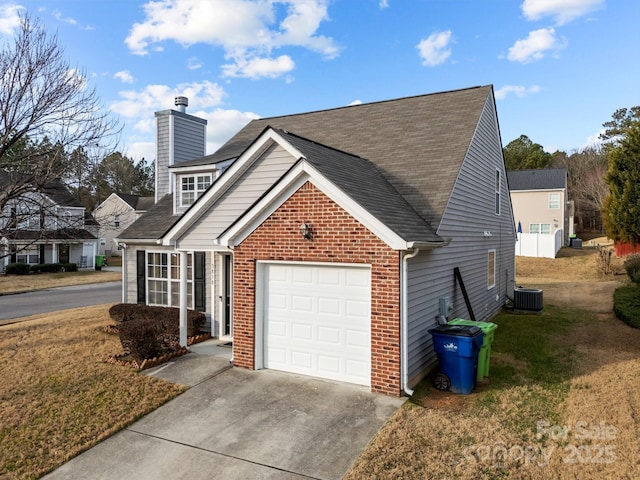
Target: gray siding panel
x=163 y=130
x=255 y=181
x=468 y=215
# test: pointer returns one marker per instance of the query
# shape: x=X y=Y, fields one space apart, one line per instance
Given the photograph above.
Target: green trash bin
x=99 y=262
x=484 y=355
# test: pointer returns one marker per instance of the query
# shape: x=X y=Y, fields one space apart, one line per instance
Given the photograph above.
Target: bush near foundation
x=17 y=269
x=53 y=267
x=148 y=331
x=632 y=267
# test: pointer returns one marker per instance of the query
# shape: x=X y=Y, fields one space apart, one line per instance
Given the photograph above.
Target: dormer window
x=191 y=187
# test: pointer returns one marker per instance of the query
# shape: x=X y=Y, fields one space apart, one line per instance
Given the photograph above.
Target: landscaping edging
x=153 y=362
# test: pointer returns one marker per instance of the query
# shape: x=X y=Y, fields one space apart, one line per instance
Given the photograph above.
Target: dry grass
x=58 y=397
x=23 y=283
x=591 y=381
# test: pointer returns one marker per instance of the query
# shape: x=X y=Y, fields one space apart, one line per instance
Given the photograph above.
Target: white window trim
x=558 y=202
x=169 y=279
x=197 y=192
x=495 y=262
x=539 y=225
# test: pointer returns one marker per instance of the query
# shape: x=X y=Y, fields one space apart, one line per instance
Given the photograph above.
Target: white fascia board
x=231 y=175
x=177 y=169
x=288 y=185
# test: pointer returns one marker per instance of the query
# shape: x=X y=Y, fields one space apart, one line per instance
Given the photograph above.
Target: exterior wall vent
x=527 y=299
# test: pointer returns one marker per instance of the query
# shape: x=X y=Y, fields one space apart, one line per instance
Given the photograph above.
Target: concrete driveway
x=239 y=424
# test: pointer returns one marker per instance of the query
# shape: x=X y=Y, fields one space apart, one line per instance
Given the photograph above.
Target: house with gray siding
x=325 y=243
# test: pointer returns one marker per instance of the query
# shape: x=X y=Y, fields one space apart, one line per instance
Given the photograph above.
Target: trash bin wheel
x=442 y=382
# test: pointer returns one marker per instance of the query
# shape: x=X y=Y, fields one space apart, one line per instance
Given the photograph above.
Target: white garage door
x=317 y=321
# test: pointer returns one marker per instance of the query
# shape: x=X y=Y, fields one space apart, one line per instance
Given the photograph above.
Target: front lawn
x=58 y=395
x=626 y=304
x=559 y=403
x=35 y=281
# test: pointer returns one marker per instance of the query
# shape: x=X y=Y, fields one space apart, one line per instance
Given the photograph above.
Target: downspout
x=183 y=298
x=125 y=272
x=404 y=320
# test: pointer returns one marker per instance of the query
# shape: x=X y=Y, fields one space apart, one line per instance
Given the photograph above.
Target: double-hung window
x=544 y=228
x=163 y=279
x=191 y=187
x=554 y=201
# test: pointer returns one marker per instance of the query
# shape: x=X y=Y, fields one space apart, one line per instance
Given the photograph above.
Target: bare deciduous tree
x=47 y=109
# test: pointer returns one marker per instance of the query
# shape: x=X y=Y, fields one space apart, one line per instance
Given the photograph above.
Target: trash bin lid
x=457 y=330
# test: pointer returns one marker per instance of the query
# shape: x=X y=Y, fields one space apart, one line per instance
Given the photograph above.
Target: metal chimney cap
x=181 y=103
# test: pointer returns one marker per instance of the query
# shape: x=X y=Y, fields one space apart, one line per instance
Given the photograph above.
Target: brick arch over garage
x=338 y=238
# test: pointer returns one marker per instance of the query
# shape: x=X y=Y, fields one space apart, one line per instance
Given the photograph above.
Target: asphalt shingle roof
x=539 y=179
x=418 y=143
x=154 y=223
x=363 y=182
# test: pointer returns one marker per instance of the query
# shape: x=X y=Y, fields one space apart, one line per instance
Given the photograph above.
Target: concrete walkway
x=239 y=424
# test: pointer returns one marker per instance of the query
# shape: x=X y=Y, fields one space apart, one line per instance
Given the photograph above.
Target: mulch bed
x=127 y=360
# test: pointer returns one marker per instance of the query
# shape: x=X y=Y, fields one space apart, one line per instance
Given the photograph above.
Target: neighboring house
x=541 y=211
x=114 y=215
x=326 y=242
x=50 y=226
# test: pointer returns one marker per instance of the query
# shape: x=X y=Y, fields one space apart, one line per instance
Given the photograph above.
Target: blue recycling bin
x=457 y=347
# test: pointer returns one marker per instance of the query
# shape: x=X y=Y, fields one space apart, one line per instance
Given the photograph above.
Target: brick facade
x=337 y=237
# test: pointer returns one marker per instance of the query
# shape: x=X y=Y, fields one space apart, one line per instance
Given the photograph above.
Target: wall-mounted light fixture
x=306 y=231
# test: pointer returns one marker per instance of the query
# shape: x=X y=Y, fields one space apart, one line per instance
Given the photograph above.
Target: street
x=55 y=299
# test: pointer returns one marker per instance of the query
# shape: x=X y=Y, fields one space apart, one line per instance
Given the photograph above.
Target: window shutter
x=141 y=266
x=199 y=285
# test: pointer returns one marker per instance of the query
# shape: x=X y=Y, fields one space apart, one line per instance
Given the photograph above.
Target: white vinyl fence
x=539 y=244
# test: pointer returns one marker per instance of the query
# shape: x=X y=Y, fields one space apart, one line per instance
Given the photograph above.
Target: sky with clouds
x=559 y=68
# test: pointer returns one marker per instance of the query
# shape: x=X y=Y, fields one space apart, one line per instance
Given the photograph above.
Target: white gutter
x=404 y=321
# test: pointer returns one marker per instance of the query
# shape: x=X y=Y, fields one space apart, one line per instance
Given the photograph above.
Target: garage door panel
x=322 y=328
x=329 y=335
x=302 y=303
x=301 y=331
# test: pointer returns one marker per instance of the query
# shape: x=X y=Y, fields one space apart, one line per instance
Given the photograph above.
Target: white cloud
x=124 y=76
x=71 y=21
x=518 y=90
x=194 y=63
x=223 y=124
x=355 y=102
x=593 y=141
x=9 y=18
x=259 y=67
x=535 y=46
x=138 y=107
x=434 y=49
x=141 y=104
x=383 y=4
x=562 y=11
x=247 y=31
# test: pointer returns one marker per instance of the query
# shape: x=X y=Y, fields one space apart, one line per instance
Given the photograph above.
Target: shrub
x=626 y=304
x=148 y=331
x=168 y=316
x=17 y=269
x=54 y=267
x=632 y=267
x=603 y=260
x=142 y=338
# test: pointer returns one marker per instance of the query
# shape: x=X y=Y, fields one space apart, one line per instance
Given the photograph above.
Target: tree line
x=603 y=181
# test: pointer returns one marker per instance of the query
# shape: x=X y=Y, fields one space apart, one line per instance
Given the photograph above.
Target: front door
x=227 y=321
x=63 y=253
